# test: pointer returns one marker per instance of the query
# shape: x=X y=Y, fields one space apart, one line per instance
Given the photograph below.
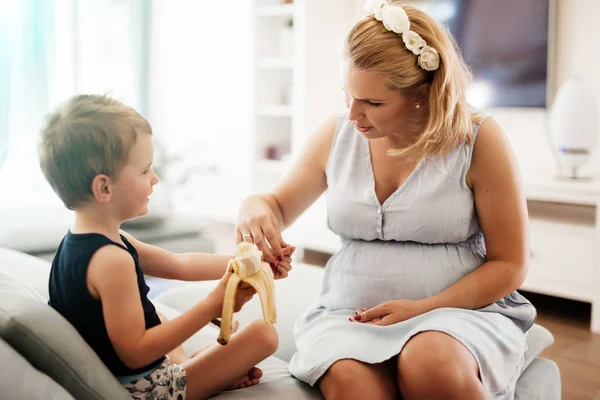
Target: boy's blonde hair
x=370 y=47
x=88 y=135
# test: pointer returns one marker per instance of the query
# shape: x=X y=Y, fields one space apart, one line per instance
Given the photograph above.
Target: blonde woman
x=424 y=192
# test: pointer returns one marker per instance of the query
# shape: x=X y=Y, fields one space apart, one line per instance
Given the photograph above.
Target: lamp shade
x=574 y=124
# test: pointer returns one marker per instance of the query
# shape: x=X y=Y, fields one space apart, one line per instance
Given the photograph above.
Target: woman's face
x=376 y=110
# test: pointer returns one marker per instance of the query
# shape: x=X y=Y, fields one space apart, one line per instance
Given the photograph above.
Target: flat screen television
x=506 y=43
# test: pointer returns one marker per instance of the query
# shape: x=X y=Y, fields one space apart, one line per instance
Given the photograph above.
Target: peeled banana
x=248 y=267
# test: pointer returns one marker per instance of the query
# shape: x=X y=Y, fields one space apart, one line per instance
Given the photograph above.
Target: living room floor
x=575 y=350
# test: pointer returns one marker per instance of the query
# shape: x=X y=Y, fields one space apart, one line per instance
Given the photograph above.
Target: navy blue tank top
x=70 y=296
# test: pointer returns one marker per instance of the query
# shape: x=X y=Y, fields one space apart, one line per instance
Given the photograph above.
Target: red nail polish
x=357 y=318
x=273 y=265
x=280 y=258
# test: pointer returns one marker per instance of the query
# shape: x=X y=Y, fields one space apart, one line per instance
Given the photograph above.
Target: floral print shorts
x=166 y=382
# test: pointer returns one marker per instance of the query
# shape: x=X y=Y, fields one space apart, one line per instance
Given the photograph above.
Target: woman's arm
x=265 y=216
x=502 y=210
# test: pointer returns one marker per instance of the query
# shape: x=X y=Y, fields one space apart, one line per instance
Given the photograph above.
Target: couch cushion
x=293 y=295
x=34 y=229
x=541 y=380
x=538 y=338
x=22 y=381
x=276 y=383
x=51 y=344
x=33 y=271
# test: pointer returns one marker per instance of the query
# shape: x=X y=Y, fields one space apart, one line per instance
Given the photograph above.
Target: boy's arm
x=186 y=267
x=112 y=279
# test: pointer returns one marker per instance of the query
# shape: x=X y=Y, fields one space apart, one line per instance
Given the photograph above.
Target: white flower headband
x=394 y=19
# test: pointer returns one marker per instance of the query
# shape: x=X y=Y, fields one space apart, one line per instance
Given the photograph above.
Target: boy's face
x=132 y=189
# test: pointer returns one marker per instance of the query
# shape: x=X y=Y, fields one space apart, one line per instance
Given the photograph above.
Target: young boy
x=97 y=153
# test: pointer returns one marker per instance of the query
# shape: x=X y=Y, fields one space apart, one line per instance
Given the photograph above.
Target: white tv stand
x=565 y=238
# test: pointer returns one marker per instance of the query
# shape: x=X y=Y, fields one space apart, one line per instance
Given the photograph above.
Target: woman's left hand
x=284 y=266
x=391 y=312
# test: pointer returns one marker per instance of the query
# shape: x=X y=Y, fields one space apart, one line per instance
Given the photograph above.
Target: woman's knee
x=435 y=361
x=352 y=379
x=341 y=378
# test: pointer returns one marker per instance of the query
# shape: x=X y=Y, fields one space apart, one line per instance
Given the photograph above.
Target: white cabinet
x=562 y=250
x=565 y=239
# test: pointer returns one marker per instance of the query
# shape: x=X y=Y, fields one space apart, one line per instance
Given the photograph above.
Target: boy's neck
x=89 y=220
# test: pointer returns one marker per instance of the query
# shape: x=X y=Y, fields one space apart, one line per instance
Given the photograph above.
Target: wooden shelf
x=561 y=216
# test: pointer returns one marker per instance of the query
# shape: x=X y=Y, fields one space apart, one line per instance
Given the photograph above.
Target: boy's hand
x=284 y=266
x=244 y=293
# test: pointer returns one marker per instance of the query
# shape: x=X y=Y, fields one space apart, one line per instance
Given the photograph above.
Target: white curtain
x=27 y=68
x=111 y=49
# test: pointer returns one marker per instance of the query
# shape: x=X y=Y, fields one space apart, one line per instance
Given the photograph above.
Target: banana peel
x=248 y=267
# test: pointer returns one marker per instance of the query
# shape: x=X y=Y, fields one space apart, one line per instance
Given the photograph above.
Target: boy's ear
x=102 y=188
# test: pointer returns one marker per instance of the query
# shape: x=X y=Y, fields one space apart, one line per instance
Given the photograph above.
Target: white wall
x=575 y=53
x=201 y=79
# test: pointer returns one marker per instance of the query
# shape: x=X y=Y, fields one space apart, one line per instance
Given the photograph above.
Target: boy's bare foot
x=251 y=378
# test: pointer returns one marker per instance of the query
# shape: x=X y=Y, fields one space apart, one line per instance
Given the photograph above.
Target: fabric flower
x=429 y=59
x=413 y=41
x=394 y=19
x=378 y=7
x=369 y=7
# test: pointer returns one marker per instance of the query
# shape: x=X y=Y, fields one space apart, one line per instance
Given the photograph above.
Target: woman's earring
x=417 y=106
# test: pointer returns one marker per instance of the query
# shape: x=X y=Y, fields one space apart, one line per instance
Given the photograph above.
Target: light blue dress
x=421 y=240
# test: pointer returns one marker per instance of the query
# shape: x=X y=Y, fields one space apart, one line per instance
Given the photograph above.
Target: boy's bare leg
x=178 y=355
x=232 y=366
x=234 y=327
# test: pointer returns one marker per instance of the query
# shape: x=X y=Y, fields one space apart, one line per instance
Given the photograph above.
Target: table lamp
x=574 y=125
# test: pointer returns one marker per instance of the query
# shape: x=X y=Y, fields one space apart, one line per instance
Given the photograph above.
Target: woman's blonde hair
x=449 y=121
x=87 y=136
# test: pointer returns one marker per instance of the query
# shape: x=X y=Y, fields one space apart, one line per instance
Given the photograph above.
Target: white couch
x=54 y=362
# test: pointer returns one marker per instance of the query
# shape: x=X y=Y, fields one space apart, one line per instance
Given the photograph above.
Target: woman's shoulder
x=490 y=144
x=340 y=125
x=478 y=116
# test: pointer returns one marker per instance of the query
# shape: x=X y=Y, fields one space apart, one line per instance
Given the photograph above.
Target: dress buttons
x=379 y=211
x=378 y=229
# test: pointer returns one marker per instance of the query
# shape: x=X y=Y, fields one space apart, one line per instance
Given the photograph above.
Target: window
x=26 y=66
x=50 y=50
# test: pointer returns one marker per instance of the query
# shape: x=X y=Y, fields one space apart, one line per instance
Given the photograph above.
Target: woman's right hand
x=257 y=223
x=244 y=294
